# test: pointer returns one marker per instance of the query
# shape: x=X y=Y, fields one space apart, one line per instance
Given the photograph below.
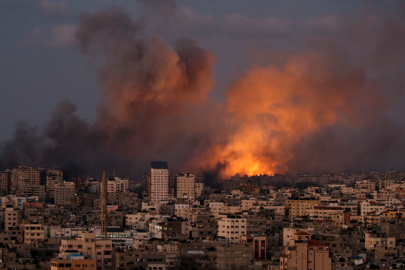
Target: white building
x=158 y=185
x=232 y=228
x=117 y=185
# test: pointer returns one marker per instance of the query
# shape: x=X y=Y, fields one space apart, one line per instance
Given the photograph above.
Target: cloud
x=59 y=36
x=54 y=7
x=62 y=36
x=240 y=25
x=325 y=23
x=17 y=3
x=163 y=7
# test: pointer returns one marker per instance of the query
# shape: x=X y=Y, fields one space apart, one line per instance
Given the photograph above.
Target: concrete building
x=25 y=175
x=33 y=233
x=64 y=192
x=87 y=245
x=198 y=189
x=117 y=185
x=365 y=184
x=185 y=186
x=232 y=228
x=305 y=255
x=12 y=217
x=5 y=181
x=158 y=185
x=372 y=241
x=334 y=213
x=53 y=177
x=73 y=262
x=229 y=257
x=258 y=245
x=300 y=207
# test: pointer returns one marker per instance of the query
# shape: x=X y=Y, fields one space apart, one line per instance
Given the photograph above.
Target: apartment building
x=5 y=181
x=365 y=184
x=185 y=186
x=334 y=213
x=12 y=217
x=158 y=185
x=117 y=185
x=378 y=240
x=232 y=228
x=305 y=255
x=300 y=207
x=25 y=175
x=87 y=245
x=73 y=262
x=258 y=245
x=33 y=233
x=53 y=177
x=64 y=192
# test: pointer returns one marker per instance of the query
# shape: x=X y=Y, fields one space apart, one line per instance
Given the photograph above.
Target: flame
x=273 y=109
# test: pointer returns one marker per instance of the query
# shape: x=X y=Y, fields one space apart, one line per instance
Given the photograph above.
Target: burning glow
x=272 y=109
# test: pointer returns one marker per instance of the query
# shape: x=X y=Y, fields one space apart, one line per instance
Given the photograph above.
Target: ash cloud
x=337 y=104
x=152 y=95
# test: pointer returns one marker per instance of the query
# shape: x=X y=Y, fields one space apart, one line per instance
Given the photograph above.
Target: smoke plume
x=334 y=104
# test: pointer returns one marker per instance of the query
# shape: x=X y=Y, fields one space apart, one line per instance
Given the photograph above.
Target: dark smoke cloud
x=151 y=101
x=337 y=104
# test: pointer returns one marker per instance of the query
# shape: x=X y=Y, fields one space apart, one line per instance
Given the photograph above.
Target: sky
x=261 y=86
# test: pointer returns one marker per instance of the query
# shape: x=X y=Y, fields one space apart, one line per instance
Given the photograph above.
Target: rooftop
x=159 y=165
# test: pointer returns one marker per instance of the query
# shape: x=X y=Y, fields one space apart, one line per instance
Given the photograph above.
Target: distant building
x=24 y=176
x=185 y=186
x=12 y=217
x=53 y=177
x=64 y=192
x=365 y=184
x=5 y=181
x=232 y=228
x=87 y=245
x=33 y=233
x=117 y=185
x=305 y=255
x=158 y=185
x=198 y=189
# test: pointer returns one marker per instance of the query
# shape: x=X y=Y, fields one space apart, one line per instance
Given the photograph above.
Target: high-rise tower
x=159 y=182
x=103 y=215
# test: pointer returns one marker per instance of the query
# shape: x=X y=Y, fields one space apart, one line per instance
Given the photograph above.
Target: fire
x=273 y=109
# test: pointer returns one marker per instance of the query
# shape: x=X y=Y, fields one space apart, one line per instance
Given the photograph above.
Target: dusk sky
x=322 y=82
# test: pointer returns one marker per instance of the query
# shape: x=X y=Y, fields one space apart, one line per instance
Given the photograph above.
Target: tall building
x=185 y=186
x=25 y=175
x=232 y=228
x=5 y=180
x=79 y=181
x=198 y=189
x=158 y=185
x=64 y=192
x=104 y=214
x=53 y=177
